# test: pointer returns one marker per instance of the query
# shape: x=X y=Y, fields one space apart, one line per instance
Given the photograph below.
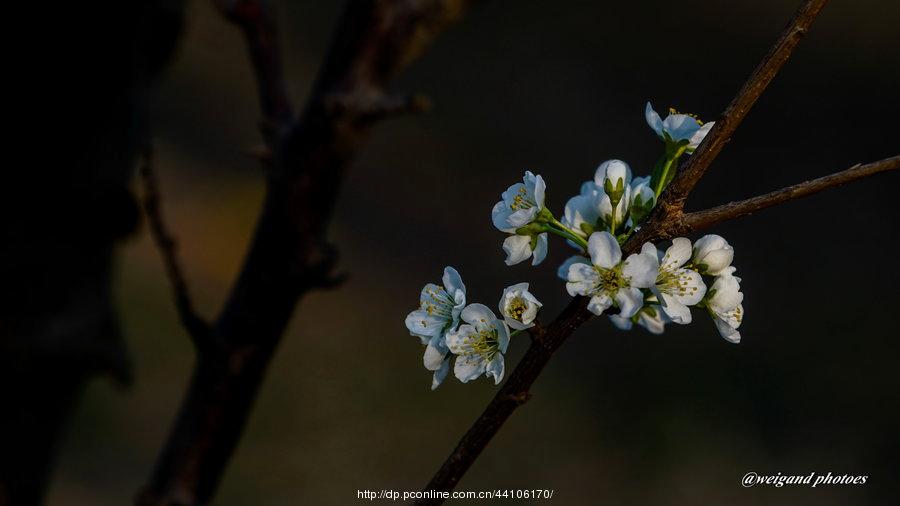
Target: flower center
x=672 y=110
x=611 y=279
x=516 y=308
x=442 y=304
x=673 y=283
x=484 y=343
x=521 y=201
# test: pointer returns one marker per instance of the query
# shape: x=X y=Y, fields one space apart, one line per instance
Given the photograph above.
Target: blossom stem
x=561 y=230
x=665 y=168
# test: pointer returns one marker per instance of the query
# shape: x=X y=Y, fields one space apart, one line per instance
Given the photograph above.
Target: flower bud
x=712 y=254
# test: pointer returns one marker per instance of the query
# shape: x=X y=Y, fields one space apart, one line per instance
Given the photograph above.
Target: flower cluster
x=650 y=288
x=472 y=334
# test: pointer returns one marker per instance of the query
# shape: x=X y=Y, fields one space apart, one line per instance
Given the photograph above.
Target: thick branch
x=667 y=214
x=197 y=328
x=737 y=110
x=703 y=219
x=289 y=254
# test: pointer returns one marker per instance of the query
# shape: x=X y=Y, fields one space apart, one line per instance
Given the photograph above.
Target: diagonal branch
x=668 y=213
x=197 y=328
x=289 y=254
x=737 y=110
x=703 y=219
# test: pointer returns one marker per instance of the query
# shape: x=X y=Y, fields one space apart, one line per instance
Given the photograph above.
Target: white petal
x=540 y=189
x=641 y=269
x=456 y=340
x=727 y=294
x=438 y=377
x=468 y=367
x=677 y=254
x=435 y=353
x=517 y=248
x=453 y=281
x=563 y=271
x=727 y=332
x=495 y=368
x=612 y=170
x=656 y=323
x=522 y=217
x=620 y=322
x=500 y=217
x=699 y=135
x=678 y=312
x=478 y=315
x=540 y=249
x=420 y=323
x=604 y=250
x=582 y=279
x=502 y=336
x=653 y=119
x=581 y=209
x=630 y=301
x=717 y=261
x=680 y=127
x=599 y=303
x=691 y=287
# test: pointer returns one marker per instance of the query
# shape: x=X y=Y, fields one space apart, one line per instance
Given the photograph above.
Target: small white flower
x=650 y=317
x=520 y=205
x=724 y=305
x=518 y=306
x=479 y=344
x=609 y=279
x=677 y=128
x=592 y=209
x=610 y=172
x=643 y=198
x=519 y=248
x=676 y=287
x=439 y=311
x=713 y=255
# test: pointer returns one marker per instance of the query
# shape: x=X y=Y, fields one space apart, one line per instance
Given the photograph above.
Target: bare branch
x=197 y=328
x=375 y=107
x=667 y=214
x=703 y=219
x=289 y=254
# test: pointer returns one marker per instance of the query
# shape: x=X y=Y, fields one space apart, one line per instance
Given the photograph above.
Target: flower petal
x=540 y=249
x=438 y=377
x=452 y=281
x=434 y=353
x=699 y=135
x=425 y=326
x=653 y=120
x=680 y=127
x=691 y=287
x=500 y=217
x=604 y=250
x=517 y=248
x=678 y=312
x=468 y=367
x=630 y=301
x=599 y=303
x=582 y=279
x=495 y=368
x=563 y=271
x=620 y=322
x=641 y=269
x=677 y=254
x=478 y=315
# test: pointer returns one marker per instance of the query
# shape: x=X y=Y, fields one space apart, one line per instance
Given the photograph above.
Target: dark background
x=620 y=418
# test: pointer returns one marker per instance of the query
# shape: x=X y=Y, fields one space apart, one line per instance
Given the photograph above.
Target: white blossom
x=712 y=255
x=520 y=205
x=519 y=307
x=609 y=279
x=676 y=288
x=439 y=312
x=479 y=344
x=725 y=306
x=677 y=128
x=519 y=248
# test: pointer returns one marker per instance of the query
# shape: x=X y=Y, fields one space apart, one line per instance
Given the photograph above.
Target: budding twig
x=667 y=213
x=198 y=329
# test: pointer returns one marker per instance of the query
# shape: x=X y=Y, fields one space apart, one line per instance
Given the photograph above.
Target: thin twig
x=668 y=212
x=709 y=217
x=198 y=329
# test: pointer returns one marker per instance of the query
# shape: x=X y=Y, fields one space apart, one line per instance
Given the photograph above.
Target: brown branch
x=703 y=219
x=197 y=328
x=289 y=254
x=667 y=213
x=257 y=20
x=737 y=110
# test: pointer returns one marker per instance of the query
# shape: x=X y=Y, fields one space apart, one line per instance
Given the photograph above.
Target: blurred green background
x=618 y=418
